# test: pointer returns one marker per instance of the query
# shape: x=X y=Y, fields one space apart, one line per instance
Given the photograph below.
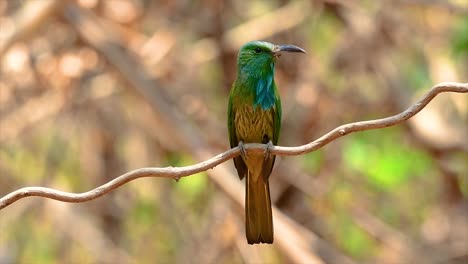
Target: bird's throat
x=264 y=92
x=262 y=84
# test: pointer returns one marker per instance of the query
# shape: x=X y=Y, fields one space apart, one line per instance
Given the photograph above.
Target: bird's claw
x=267 y=154
x=242 y=150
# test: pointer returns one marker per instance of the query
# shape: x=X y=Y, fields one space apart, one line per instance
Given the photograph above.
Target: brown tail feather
x=258 y=216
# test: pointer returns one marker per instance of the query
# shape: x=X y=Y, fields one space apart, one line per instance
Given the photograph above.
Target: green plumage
x=254 y=116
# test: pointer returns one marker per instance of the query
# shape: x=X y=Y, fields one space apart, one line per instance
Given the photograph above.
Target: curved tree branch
x=178 y=172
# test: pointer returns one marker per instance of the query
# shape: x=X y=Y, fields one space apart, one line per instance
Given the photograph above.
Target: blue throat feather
x=264 y=92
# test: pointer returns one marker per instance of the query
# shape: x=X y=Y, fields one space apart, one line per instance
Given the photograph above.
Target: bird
x=254 y=116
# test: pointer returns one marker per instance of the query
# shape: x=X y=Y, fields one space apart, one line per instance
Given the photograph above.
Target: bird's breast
x=253 y=124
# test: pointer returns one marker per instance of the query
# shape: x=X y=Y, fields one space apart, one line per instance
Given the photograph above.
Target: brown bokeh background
x=91 y=89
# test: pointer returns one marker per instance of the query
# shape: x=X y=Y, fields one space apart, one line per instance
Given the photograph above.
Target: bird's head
x=260 y=56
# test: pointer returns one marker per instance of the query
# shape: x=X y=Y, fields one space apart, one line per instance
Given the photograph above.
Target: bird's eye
x=258 y=50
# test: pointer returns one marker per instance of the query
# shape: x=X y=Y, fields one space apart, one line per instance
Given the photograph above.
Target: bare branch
x=30 y=17
x=178 y=172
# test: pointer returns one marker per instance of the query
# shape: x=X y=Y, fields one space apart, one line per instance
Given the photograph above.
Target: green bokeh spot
x=385 y=159
x=355 y=241
x=145 y=212
x=191 y=187
x=313 y=161
x=460 y=38
x=416 y=74
x=325 y=36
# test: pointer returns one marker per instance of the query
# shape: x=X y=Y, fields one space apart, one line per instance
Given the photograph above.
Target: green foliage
x=33 y=246
x=191 y=187
x=416 y=73
x=385 y=159
x=325 y=36
x=144 y=213
x=48 y=153
x=349 y=236
x=355 y=241
x=313 y=161
x=143 y=224
x=21 y=161
x=460 y=38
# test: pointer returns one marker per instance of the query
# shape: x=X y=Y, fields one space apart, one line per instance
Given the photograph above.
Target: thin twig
x=178 y=172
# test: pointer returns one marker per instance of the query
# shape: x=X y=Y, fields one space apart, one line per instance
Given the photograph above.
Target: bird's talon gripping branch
x=242 y=149
x=268 y=149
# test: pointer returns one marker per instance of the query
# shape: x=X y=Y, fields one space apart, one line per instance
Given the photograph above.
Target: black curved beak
x=290 y=48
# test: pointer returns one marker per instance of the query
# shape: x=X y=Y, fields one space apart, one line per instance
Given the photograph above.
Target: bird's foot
x=267 y=154
x=242 y=149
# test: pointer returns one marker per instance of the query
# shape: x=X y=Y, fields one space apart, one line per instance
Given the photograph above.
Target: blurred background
x=91 y=89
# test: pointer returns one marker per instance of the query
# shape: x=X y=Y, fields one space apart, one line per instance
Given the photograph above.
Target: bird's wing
x=234 y=142
x=276 y=112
